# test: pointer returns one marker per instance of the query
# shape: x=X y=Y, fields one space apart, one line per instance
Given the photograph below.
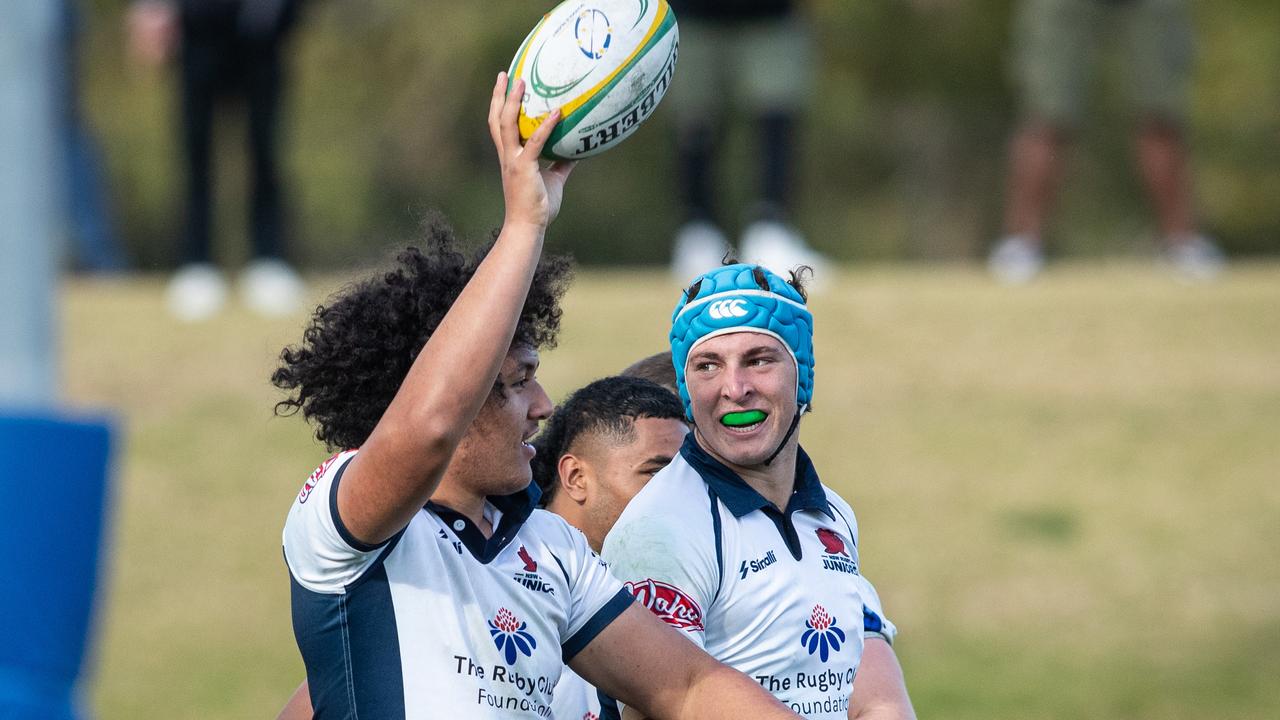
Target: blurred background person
x=226 y=48
x=1055 y=42
x=94 y=244
x=754 y=58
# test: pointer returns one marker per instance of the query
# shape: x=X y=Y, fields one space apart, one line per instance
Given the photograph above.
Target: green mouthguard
x=740 y=419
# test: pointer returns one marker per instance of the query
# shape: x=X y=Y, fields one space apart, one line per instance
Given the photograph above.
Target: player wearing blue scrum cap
x=424 y=581
x=737 y=542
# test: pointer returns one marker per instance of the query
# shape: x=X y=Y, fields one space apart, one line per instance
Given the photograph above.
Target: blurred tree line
x=903 y=155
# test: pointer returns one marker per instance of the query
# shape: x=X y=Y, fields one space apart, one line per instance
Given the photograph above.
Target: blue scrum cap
x=743 y=298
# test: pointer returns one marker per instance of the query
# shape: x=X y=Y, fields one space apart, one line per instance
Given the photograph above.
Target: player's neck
x=571 y=511
x=465 y=502
x=776 y=481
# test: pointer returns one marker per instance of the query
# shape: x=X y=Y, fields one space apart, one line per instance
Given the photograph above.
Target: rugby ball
x=605 y=63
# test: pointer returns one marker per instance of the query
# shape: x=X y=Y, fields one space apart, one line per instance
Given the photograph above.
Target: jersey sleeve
x=596 y=598
x=874 y=621
x=321 y=553
x=669 y=564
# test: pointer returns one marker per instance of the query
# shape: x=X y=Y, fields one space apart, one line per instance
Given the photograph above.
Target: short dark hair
x=655 y=368
x=358 y=348
x=608 y=406
x=798 y=277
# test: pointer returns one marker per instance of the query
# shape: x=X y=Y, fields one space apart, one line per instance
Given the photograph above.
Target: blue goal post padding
x=53 y=490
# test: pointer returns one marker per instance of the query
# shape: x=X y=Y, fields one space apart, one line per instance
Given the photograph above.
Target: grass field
x=1068 y=492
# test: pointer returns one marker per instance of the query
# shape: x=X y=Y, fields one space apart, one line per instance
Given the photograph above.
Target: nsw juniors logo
x=510 y=637
x=821 y=634
x=834 y=554
x=529 y=577
x=669 y=603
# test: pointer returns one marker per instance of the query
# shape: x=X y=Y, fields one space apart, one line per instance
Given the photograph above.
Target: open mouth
x=743 y=420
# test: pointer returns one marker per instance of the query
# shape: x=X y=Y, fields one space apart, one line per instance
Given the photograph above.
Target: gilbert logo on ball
x=606 y=64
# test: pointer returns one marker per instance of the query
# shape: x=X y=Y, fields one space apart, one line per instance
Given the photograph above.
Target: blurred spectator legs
x=1055 y=45
x=772 y=55
x=94 y=245
x=1035 y=167
x=233 y=52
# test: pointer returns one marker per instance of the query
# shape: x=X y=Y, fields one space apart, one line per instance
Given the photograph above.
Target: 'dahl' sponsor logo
x=669 y=603
x=312 y=481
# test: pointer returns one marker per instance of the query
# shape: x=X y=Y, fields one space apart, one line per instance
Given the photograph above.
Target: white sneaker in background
x=781 y=249
x=196 y=292
x=699 y=246
x=1015 y=260
x=271 y=288
x=1195 y=257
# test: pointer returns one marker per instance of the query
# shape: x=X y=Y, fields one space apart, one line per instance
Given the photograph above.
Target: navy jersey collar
x=740 y=497
x=516 y=508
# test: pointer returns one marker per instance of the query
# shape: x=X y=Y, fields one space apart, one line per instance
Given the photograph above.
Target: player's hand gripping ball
x=605 y=63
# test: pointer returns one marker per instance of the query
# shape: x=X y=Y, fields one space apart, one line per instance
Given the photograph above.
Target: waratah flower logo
x=822 y=635
x=510 y=636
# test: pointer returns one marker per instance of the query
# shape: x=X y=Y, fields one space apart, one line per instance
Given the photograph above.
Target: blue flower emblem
x=510 y=637
x=821 y=636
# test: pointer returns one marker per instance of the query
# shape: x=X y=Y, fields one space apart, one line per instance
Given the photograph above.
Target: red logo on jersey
x=590 y=716
x=311 y=482
x=529 y=577
x=831 y=542
x=529 y=564
x=669 y=603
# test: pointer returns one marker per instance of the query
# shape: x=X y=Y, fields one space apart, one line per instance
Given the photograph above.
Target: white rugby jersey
x=775 y=595
x=439 y=621
x=576 y=699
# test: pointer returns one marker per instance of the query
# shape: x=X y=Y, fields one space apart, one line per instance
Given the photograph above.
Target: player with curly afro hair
x=359 y=347
x=421 y=542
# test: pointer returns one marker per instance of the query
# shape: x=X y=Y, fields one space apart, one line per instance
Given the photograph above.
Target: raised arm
x=401 y=463
x=653 y=668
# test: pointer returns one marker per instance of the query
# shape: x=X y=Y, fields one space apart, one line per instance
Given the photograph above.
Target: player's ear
x=574 y=474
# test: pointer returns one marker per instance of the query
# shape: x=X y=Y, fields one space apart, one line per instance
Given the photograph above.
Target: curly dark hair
x=359 y=347
x=611 y=406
